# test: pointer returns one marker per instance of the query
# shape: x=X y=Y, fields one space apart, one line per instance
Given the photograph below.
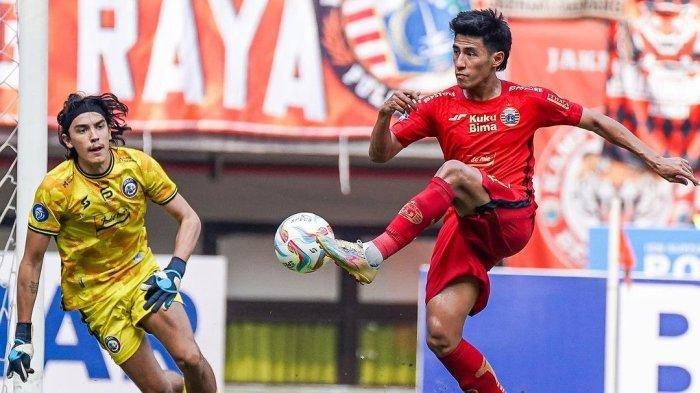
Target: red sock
x=419 y=213
x=471 y=370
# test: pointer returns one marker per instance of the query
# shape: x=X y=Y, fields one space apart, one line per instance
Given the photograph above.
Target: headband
x=83 y=107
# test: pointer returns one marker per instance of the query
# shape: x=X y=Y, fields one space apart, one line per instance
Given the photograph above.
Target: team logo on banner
x=576 y=185
x=653 y=81
x=375 y=48
x=510 y=116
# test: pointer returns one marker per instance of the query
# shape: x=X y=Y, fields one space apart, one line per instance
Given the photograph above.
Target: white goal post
x=32 y=32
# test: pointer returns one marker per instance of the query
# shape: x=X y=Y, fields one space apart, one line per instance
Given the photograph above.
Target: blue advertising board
x=544 y=332
x=657 y=252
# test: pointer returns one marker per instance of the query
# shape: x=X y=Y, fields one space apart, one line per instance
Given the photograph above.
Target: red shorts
x=470 y=246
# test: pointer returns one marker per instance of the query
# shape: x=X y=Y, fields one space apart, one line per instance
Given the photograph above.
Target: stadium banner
x=546 y=9
x=318 y=69
x=641 y=81
x=75 y=362
x=669 y=253
x=302 y=68
x=544 y=331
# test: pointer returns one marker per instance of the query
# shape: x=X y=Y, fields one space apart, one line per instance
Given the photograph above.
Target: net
x=9 y=99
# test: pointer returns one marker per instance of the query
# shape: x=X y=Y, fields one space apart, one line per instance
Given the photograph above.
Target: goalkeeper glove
x=21 y=352
x=162 y=287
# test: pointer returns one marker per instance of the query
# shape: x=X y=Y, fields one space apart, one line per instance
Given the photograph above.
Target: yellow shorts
x=113 y=321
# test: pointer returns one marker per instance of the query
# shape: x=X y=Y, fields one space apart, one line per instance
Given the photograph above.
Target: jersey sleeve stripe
x=42 y=231
x=168 y=199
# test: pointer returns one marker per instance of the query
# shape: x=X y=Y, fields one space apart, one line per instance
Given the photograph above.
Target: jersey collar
x=99 y=175
x=504 y=87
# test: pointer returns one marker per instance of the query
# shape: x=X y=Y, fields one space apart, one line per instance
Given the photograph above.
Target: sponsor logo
x=448 y=93
x=374 y=48
x=480 y=161
x=525 y=88
x=112 y=344
x=558 y=100
x=510 y=116
x=110 y=220
x=40 y=212
x=129 y=187
x=495 y=180
x=85 y=202
x=412 y=213
x=458 y=117
x=482 y=123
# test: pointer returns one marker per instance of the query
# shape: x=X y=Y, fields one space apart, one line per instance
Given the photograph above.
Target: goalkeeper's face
x=89 y=136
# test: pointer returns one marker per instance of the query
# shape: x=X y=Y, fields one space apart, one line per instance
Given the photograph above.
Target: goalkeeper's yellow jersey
x=98 y=222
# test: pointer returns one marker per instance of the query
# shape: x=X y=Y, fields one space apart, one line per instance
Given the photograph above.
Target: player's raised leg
x=146 y=373
x=173 y=330
x=455 y=182
x=446 y=314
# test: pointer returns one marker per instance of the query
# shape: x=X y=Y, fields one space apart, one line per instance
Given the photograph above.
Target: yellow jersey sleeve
x=156 y=184
x=46 y=209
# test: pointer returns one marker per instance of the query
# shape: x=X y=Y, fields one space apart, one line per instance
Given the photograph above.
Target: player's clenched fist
x=163 y=286
x=403 y=101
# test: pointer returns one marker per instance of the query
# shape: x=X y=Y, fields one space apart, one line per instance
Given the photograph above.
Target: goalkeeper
x=94 y=204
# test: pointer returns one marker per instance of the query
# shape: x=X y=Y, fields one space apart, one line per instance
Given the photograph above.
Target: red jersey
x=495 y=135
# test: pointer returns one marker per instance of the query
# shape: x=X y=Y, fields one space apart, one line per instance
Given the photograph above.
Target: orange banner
x=302 y=69
x=320 y=68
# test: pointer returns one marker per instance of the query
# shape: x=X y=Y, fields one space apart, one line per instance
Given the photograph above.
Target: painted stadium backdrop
x=317 y=69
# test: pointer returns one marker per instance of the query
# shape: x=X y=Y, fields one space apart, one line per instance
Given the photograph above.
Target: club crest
x=510 y=116
x=129 y=187
x=375 y=48
x=112 y=344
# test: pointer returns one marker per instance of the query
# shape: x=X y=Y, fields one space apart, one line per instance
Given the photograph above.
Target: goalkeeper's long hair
x=107 y=104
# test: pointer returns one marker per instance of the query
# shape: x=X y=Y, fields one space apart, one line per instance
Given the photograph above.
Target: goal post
x=32 y=30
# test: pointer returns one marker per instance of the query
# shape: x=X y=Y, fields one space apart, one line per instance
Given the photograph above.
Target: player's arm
x=162 y=287
x=383 y=144
x=28 y=276
x=29 y=273
x=189 y=226
x=673 y=169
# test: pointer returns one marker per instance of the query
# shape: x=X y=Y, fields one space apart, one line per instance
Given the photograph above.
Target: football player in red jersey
x=485 y=127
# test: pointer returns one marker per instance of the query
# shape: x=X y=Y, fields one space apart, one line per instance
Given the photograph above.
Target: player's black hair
x=488 y=24
x=108 y=105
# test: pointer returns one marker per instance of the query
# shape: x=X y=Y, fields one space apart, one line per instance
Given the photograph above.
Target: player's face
x=89 y=135
x=472 y=60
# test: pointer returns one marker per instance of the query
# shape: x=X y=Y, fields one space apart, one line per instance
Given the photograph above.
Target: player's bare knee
x=189 y=358
x=459 y=175
x=176 y=381
x=438 y=339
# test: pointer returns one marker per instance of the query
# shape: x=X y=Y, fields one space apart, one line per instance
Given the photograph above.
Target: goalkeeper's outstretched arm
x=29 y=273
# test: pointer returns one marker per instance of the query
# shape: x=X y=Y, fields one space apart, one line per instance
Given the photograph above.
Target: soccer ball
x=295 y=242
